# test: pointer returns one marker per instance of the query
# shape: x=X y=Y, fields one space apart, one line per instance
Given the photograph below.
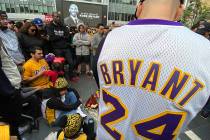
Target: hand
x=42 y=73
x=80 y=100
x=48 y=37
x=79 y=41
x=45 y=37
x=40 y=87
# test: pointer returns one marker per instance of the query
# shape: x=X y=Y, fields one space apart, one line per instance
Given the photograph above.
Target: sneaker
x=74 y=79
x=78 y=73
x=204 y=114
x=89 y=73
x=23 y=129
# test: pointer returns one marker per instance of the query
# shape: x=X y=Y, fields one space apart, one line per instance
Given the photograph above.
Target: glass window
x=45 y=9
x=21 y=8
x=126 y=17
x=50 y=9
x=111 y=16
x=126 y=1
x=25 y=2
x=48 y=2
x=17 y=8
x=120 y=16
x=31 y=8
x=12 y=10
x=41 y=9
x=134 y=2
x=6 y=1
x=26 y=8
x=7 y=7
x=3 y=7
x=11 y=1
x=36 y=9
x=123 y=17
x=118 y=1
x=12 y=6
x=129 y=17
x=116 y=16
x=45 y=1
x=54 y=9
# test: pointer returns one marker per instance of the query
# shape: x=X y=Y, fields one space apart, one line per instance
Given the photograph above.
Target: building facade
x=118 y=11
x=121 y=11
x=27 y=9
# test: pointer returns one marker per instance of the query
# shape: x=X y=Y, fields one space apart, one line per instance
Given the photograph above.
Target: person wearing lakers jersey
x=154 y=75
x=34 y=69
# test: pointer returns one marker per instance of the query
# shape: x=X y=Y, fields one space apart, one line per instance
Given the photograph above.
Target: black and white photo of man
x=72 y=19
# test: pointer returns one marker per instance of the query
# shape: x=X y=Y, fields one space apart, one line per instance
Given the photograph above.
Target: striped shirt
x=10 y=42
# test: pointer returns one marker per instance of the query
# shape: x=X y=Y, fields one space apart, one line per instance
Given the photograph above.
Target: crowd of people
x=38 y=60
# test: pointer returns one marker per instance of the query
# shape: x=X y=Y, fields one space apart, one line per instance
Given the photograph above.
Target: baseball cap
x=37 y=21
x=61 y=83
x=50 y=57
x=203 y=28
x=59 y=60
x=73 y=125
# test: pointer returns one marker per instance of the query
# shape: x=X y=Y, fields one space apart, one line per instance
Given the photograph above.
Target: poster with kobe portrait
x=90 y=14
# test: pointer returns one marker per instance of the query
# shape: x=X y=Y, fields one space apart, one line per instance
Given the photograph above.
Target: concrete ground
x=199 y=128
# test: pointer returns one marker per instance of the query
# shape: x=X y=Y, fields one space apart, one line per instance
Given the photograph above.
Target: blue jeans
x=206 y=108
x=70 y=98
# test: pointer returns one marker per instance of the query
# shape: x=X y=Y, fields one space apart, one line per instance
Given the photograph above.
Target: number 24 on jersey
x=163 y=126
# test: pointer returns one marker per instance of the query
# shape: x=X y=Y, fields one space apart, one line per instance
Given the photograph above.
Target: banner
x=75 y=13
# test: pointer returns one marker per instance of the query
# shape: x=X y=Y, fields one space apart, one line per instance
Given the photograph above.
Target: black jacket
x=27 y=42
x=58 y=35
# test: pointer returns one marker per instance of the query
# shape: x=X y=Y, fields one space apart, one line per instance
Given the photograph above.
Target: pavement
x=198 y=129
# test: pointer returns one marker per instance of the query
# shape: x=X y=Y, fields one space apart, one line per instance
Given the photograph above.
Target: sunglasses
x=33 y=30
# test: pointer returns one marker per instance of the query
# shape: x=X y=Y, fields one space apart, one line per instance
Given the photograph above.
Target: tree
x=195 y=12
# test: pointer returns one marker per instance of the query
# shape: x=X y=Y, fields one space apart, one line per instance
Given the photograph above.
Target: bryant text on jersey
x=172 y=88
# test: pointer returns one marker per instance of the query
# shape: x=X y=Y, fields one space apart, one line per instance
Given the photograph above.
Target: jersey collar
x=154 y=22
